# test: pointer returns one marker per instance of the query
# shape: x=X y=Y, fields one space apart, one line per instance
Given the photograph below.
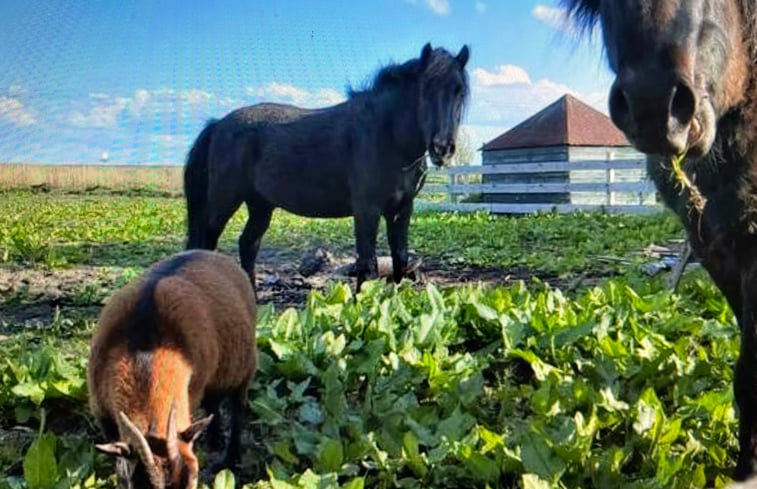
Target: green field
x=591 y=374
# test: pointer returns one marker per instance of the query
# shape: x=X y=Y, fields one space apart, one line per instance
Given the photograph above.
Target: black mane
x=399 y=75
x=585 y=14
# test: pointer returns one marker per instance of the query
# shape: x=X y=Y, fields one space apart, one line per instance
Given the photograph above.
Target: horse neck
x=399 y=113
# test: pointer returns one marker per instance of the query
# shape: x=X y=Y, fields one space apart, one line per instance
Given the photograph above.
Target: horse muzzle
x=661 y=112
x=441 y=150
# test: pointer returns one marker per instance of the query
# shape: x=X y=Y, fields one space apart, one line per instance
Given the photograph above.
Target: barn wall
x=527 y=155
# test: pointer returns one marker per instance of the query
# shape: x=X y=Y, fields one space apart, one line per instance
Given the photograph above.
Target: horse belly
x=308 y=195
x=315 y=204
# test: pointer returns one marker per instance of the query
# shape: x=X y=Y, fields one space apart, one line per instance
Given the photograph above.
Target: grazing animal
x=685 y=85
x=364 y=158
x=181 y=336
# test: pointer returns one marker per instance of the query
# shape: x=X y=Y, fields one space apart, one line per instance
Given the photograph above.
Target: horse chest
x=406 y=187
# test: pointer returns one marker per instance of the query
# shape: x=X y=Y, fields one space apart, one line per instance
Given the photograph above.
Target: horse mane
x=585 y=14
x=396 y=75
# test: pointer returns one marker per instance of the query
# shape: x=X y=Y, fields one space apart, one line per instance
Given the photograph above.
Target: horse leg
x=740 y=290
x=745 y=377
x=259 y=217
x=397 y=226
x=366 y=228
x=219 y=212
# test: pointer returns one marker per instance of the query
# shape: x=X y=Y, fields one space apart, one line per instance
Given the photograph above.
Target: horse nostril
x=683 y=103
x=619 y=106
x=452 y=148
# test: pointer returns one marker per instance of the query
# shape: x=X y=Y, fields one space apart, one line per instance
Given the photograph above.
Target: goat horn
x=137 y=439
x=172 y=437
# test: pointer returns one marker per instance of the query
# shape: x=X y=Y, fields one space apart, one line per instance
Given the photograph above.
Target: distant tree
x=464 y=151
x=464 y=155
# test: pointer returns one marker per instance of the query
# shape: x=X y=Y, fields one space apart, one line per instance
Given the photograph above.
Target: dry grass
x=91 y=177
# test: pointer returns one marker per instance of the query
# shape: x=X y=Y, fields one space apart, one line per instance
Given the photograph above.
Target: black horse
x=687 y=85
x=363 y=158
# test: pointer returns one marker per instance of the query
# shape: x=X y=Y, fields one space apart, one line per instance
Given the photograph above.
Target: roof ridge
x=566 y=119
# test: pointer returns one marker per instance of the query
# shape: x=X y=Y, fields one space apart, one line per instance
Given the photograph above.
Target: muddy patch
x=35 y=296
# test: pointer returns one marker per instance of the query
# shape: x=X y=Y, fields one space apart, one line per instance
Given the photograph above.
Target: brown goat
x=181 y=336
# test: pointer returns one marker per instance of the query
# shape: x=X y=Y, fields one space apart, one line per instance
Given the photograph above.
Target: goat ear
x=426 y=55
x=463 y=55
x=117 y=448
x=195 y=429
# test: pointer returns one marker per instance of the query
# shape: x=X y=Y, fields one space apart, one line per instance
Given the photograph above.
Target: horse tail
x=196 y=187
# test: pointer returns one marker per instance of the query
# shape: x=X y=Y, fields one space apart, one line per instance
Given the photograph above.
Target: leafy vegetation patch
x=625 y=385
x=622 y=385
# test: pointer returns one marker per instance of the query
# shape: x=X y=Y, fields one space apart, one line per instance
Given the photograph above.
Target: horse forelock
x=442 y=61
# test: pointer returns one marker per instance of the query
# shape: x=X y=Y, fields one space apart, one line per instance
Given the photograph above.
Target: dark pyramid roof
x=567 y=121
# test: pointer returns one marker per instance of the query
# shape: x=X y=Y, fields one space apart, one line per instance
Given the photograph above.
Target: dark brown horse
x=362 y=158
x=685 y=85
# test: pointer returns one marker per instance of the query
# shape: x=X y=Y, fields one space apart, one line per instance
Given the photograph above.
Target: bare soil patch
x=31 y=295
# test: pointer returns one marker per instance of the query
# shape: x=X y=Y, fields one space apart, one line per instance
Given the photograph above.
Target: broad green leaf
x=330 y=455
x=356 y=483
x=40 y=464
x=538 y=458
x=533 y=481
x=224 y=480
x=31 y=390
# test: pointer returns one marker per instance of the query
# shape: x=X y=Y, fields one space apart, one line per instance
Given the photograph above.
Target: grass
x=54 y=229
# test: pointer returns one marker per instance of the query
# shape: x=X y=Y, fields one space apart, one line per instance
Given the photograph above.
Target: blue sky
x=136 y=79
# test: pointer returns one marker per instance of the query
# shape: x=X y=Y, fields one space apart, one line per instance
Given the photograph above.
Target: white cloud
x=195 y=96
x=102 y=110
x=176 y=143
x=17 y=89
x=504 y=75
x=439 y=7
x=101 y=114
x=480 y=7
x=506 y=96
x=288 y=93
x=13 y=111
x=554 y=17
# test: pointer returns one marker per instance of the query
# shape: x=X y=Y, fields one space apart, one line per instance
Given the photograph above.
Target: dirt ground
x=33 y=296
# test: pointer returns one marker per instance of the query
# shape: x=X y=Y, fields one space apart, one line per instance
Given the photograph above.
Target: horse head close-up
x=684 y=94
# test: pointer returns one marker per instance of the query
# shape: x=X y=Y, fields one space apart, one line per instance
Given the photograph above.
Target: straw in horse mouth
x=697 y=200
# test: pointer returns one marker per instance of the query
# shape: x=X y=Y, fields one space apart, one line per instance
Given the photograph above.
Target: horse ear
x=463 y=55
x=195 y=429
x=426 y=55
